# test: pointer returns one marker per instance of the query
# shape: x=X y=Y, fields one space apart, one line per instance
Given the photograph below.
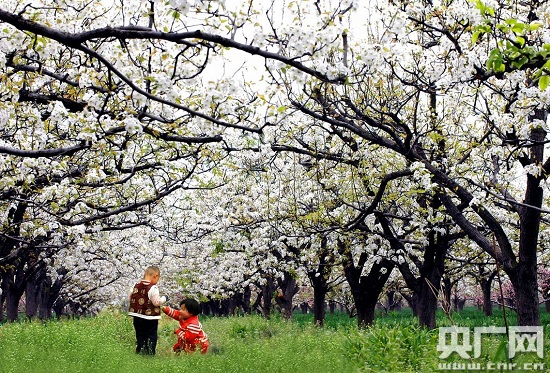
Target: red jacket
x=190 y=333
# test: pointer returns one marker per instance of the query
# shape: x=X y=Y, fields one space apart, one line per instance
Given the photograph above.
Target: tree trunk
x=426 y=288
x=58 y=307
x=412 y=301
x=226 y=307
x=232 y=306
x=215 y=306
x=13 y=283
x=331 y=307
x=426 y=305
x=524 y=280
x=447 y=292
x=288 y=288
x=391 y=299
x=34 y=291
x=319 y=279
x=366 y=290
x=319 y=309
x=459 y=303
x=525 y=289
x=50 y=293
x=2 y=300
x=267 y=291
x=486 y=291
x=45 y=306
x=365 y=305
x=15 y=288
x=247 y=293
x=12 y=305
x=14 y=294
x=206 y=308
x=32 y=299
x=320 y=286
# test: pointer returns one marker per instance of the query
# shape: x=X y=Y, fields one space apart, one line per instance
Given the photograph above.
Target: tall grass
x=106 y=344
x=240 y=344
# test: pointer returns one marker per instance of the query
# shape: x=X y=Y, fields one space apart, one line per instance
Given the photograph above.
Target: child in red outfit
x=190 y=333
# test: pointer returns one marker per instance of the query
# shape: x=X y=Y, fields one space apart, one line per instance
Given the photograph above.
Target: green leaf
x=518 y=28
x=484 y=10
x=503 y=28
x=543 y=82
x=486 y=28
x=502 y=351
x=499 y=67
x=535 y=26
x=495 y=61
x=520 y=40
x=514 y=55
x=475 y=36
x=519 y=63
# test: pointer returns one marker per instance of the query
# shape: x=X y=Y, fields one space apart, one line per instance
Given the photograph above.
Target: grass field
x=253 y=344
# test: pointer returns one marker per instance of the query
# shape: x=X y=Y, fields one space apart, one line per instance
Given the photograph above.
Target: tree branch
x=46 y=153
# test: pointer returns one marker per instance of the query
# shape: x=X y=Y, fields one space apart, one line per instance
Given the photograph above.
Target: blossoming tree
x=108 y=108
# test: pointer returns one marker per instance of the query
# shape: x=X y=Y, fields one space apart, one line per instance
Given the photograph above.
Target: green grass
x=244 y=344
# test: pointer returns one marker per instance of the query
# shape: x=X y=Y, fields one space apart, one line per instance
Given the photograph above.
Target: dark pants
x=146 y=335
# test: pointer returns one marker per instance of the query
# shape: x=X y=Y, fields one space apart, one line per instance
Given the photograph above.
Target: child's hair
x=152 y=270
x=192 y=306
